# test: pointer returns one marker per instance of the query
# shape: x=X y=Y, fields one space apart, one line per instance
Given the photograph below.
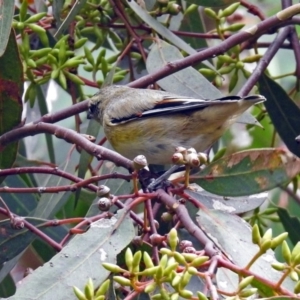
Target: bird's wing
x=171 y=104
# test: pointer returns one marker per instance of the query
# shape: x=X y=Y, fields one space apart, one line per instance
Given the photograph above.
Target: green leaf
x=11 y=91
x=163 y=31
x=284 y=113
x=22 y=204
x=6 y=13
x=57 y=6
x=236 y=205
x=110 y=76
x=186 y=82
x=80 y=260
x=249 y=172
x=7 y=287
x=14 y=241
x=192 y=22
x=50 y=204
x=44 y=110
x=76 y=7
x=290 y=224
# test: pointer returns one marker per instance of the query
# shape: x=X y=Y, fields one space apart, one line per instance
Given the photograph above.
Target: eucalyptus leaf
x=6 y=13
x=80 y=260
x=249 y=172
x=234 y=205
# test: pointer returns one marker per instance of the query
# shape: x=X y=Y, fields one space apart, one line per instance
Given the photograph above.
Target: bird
x=154 y=123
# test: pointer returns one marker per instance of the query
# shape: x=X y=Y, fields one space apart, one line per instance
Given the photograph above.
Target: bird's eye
x=93 y=108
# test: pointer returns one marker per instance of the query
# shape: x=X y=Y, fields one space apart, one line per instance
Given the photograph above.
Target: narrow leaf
x=70 y=17
x=6 y=16
x=11 y=90
x=249 y=172
x=80 y=260
x=44 y=110
x=235 y=205
x=290 y=224
x=284 y=113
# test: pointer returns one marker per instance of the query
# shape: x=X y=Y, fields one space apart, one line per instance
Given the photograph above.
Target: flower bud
x=278 y=266
x=147 y=260
x=173 y=239
x=174 y=296
x=189 y=257
x=189 y=250
x=136 y=261
x=180 y=149
x=156 y=239
x=201 y=296
x=197 y=262
x=172 y=267
x=210 y=13
x=103 y=191
x=297 y=288
x=295 y=251
x=128 y=258
x=139 y=162
x=122 y=280
x=192 y=271
x=166 y=251
x=193 y=160
x=279 y=239
x=150 y=287
x=159 y=273
x=113 y=268
x=180 y=258
x=252 y=58
x=185 y=243
x=234 y=27
x=191 y=150
x=286 y=252
x=163 y=261
x=226 y=59
x=149 y=271
x=89 y=289
x=173 y=8
x=202 y=157
x=226 y=69
x=294 y=276
x=177 y=279
x=177 y=158
x=166 y=217
x=79 y=294
x=229 y=10
x=185 y=279
x=266 y=245
x=247 y=293
x=186 y=294
x=256 y=238
x=245 y=282
x=103 y=288
x=104 y=204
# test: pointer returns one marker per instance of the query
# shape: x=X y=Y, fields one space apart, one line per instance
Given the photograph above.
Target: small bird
x=153 y=123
